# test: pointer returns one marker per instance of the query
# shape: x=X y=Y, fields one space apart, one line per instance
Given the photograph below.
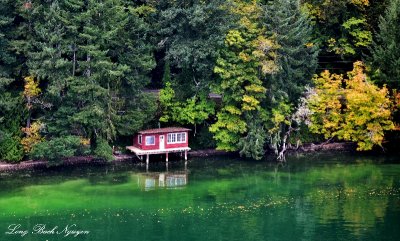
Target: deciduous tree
x=32 y=136
x=192 y=112
x=343 y=27
x=359 y=112
x=245 y=58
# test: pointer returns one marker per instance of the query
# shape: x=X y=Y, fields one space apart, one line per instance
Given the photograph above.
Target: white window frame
x=149 y=144
x=172 y=138
x=140 y=139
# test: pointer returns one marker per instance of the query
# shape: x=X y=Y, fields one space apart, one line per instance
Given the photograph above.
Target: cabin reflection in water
x=156 y=180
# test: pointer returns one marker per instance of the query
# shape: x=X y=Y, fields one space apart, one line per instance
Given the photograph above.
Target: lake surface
x=318 y=197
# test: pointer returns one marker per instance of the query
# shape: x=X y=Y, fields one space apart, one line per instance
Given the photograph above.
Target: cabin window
x=140 y=139
x=150 y=140
x=181 y=137
x=171 y=138
x=176 y=138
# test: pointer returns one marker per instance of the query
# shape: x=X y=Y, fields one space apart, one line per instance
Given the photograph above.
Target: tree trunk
x=28 y=120
x=88 y=71
x=281 y=154
x=74 y=62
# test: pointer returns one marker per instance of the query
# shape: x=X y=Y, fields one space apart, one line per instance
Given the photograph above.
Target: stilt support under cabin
x=140 y=152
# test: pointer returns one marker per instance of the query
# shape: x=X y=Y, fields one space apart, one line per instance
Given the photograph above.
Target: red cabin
x=161 y=140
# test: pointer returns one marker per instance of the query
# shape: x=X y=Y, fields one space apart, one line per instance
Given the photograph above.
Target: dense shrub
x=103 y=150
x=56 y=149
x=11 y=149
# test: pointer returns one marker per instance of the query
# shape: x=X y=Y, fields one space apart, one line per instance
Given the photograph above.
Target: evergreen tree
x=93 y=57
x=6 y=56
x=56 y=149
x=11 y=117
x=23 y=34
x=54 y=57
x=252 y=145
x=91 y=92
x=134 y=48
x=191 y=33
x=297 y=55
x=385 y=50
x=296 y=60
x=11 y=108
x=167 y=73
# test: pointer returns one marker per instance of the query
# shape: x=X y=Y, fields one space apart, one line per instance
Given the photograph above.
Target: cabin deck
x=139 y=152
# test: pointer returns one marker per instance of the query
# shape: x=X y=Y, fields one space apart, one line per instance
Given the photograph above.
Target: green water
x=320 y=197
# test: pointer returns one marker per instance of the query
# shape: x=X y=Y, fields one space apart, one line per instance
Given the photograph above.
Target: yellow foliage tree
x=245 y=58
x=32 y=136
x=325 y=104
x=31 y=91
x=359 y=111
x=397 y=100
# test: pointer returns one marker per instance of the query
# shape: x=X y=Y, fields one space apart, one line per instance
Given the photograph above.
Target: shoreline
x=324 y=147
x=78 y=160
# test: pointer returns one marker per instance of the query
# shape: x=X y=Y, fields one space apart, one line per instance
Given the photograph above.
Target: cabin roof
x=214 y=96
x=163 y=130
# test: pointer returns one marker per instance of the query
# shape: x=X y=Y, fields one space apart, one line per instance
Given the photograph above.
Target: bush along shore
x=79 y=160
x=121 y=158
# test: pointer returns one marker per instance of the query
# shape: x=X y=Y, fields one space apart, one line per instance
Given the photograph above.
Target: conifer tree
x=93 y=57
x=54 y=58
x=297 y=55
x=92 y=91
x=191 y=33
x=252 y=145
x=296 y=60
x=23 y=34
x=6 y=56
x=11 y=108
x=385 y=50
x=135 y=108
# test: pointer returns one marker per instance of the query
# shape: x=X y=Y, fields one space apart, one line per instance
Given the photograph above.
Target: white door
x=162 y=142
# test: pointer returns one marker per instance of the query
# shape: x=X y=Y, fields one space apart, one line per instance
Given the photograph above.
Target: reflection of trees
x=356 y=194
x=109 y=179
x=234 y=201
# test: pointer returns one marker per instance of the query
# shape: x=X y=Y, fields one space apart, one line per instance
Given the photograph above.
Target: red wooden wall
x=157 y=141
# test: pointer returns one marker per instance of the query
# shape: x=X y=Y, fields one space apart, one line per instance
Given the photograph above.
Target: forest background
x=79 y=77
